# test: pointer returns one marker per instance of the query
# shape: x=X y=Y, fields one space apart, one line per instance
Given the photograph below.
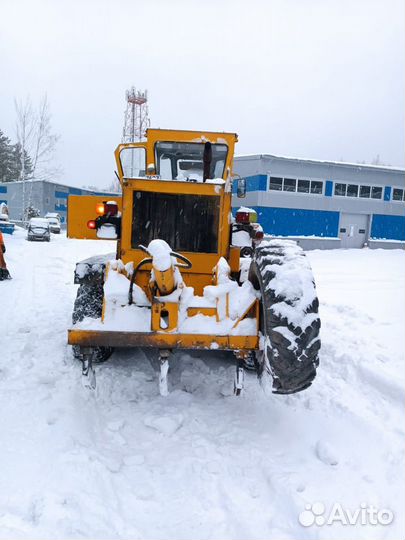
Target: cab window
x=185 y=161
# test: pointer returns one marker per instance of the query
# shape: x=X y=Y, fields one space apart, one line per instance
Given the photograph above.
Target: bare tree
x=25 y=133
x=37 y=143
x=44 y=146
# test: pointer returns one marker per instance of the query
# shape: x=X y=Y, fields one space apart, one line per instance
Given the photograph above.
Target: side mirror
x=241 y=189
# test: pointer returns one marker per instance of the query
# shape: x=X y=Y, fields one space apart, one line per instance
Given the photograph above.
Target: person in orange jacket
x=4 y=273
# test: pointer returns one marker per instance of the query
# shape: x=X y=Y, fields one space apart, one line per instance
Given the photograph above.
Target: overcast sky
x=309 y=78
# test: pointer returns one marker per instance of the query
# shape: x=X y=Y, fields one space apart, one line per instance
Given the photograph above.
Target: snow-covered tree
x=31 y=212
x=18 y=161
x=11 y=160
x=6 y=158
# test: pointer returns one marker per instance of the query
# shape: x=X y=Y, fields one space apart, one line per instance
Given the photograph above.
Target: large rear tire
x=289 y=320
x=89 y=303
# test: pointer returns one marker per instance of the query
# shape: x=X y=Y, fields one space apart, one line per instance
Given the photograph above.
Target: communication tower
x=136 y=116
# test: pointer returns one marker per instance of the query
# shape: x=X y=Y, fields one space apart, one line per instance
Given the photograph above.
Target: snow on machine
x=6 y=226
x=186 y=273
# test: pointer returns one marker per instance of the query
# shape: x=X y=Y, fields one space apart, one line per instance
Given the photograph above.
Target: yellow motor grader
x=186 y=272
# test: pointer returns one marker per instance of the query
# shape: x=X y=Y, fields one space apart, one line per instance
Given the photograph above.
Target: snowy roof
x=37 y=180
x=320 y=161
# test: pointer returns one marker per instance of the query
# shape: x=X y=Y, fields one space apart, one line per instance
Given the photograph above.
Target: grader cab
x=186 y=273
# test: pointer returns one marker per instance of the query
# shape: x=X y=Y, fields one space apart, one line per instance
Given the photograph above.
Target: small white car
x=53 y=214
x=54 y=224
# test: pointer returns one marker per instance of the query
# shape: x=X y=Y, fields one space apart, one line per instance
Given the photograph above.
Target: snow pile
x=107 y=231
x=205 y=324
x=246 y=210
x=217 y=181
x=160 y=252
x=230 y=301
x=116 y=287
x=244 y=263
x=241 y=238
x=192 y=175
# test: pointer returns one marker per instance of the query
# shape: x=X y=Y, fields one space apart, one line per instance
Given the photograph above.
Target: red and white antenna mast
x=136 y=116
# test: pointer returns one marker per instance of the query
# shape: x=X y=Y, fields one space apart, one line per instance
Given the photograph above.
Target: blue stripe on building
x=60 y=207
x=297 y=222
x=387 y=193
x=75 y=191
x=328 y=188
x=388 y=227
x=61 y=194
x=3 y=200
x=3 y=189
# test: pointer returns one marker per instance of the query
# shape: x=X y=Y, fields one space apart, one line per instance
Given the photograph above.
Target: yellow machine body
x=162 y=283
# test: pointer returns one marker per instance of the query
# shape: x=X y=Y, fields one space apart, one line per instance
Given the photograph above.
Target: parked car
x=53 y=215
x=54 y=224
x=39 y=229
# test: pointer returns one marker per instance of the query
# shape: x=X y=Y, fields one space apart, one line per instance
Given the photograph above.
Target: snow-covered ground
x=124 y=462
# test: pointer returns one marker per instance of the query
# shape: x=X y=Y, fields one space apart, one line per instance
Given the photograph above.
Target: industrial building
x=43 y=195
x=325 y=204
x=322 y=204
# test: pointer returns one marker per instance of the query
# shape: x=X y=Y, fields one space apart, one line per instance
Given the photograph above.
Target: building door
x=353 y=230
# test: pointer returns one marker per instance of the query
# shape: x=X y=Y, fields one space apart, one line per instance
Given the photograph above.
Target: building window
x=376 y=192
x=290 y=184
x=316 y=187
x=276 y=184
x=352 y=190
x=398 y=194
x=293 y=185
x=303 y=186
x=365 y=192
x=340 y=189
x=60 y=202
